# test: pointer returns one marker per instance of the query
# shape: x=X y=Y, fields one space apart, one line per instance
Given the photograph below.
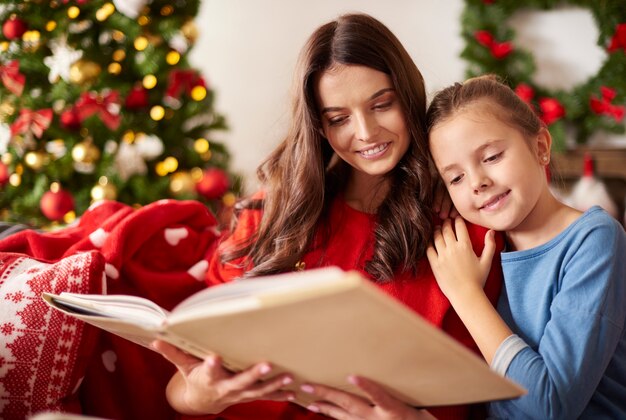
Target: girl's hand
x=205 y=386
x=345 y=406
x=456 y=267
x=442 y=203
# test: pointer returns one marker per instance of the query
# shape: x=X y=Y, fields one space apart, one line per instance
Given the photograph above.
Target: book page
x=132 y=309
x=279 y=283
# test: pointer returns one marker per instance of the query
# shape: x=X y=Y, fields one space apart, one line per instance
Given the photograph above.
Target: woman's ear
x=543 y=146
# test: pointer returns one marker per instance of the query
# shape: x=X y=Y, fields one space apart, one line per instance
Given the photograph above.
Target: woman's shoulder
x=477 y=236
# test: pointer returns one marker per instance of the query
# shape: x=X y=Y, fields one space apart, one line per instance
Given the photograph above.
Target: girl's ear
x=543 y=145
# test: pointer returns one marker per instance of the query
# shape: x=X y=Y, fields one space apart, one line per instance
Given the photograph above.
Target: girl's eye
x=494 y=158
x=456 y=179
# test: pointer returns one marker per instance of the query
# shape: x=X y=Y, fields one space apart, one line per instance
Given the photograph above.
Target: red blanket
x=160 y=252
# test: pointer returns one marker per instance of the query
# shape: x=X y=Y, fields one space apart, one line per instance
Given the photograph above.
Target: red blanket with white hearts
x=159 y=251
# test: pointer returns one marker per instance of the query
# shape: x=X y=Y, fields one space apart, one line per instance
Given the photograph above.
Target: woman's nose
x=366 y=127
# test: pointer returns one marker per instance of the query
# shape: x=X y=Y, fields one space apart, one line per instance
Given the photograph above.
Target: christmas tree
x=98 y=101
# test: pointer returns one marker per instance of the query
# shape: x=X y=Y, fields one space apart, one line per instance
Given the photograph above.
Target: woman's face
x=362 y=118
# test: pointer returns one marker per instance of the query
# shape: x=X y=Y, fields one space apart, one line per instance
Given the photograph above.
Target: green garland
x=596 y=105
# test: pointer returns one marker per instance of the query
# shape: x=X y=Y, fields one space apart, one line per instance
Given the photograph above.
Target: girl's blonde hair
x=499 y=99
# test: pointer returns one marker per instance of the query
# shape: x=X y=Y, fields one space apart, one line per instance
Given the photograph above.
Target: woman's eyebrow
x=374 y=96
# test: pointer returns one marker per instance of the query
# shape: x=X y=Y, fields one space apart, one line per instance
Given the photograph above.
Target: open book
x=320 y=325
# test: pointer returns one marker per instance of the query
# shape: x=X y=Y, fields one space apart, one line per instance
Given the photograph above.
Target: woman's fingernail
x=353 y=380
x=265 y=369
x=313 y=408
x=287 y=380
x=307 y=388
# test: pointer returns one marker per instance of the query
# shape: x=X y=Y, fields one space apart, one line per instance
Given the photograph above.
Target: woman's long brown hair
x=300 y=181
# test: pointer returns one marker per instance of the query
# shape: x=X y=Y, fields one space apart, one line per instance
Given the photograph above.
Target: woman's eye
x=383 y=105
x=493 y=158
x=336 y=120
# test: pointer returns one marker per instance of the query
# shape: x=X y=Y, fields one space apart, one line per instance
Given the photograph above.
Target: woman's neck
x=366 y=192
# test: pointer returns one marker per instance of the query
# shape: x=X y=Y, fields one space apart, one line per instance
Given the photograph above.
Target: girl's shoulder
x=596 y=224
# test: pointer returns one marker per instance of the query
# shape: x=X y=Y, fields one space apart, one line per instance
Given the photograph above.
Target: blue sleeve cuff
x=505 y=353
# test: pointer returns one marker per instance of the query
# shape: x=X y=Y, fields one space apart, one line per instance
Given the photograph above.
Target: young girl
x=559 y=329
x=349 y=186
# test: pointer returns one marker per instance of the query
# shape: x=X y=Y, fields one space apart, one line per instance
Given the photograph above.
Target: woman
x=349 y=186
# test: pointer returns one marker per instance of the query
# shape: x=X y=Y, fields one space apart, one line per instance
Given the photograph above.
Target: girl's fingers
x=448 y=232
x=460 y=227
x=438 y=239
x=489 y=250
x=432 y=255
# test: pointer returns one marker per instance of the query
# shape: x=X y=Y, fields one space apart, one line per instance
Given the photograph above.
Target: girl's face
x=493 y=177
x=362 y=118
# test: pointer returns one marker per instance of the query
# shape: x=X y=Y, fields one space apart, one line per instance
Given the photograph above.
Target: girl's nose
x=480 y=182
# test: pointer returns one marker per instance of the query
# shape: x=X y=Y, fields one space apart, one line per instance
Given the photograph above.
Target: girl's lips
x=496 y=202
x=375 y=151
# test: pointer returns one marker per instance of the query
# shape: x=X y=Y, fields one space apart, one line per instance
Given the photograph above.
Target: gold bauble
x=104 y=192
x=182 y=183
x=190 y=31
x=35 y=160
x=6 y=110
x=84 y=72
x=85 y=152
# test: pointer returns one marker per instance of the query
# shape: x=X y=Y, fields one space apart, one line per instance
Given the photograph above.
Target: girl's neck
x=365 y=192
x=548 y=219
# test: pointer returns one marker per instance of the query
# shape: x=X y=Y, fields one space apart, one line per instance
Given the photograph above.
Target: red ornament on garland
x=137 y=98
x=70 y=120
x=525 y=92
x=213 y=185
x=4 y=174
x=498 y=49
x=618 y=41
x=56 y=203
x=14 y=28
x=551 y=110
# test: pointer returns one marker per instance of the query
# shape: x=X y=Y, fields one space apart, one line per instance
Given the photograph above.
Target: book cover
x=320 y=325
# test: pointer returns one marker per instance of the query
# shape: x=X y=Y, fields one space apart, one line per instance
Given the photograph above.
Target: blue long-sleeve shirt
x=566 y=302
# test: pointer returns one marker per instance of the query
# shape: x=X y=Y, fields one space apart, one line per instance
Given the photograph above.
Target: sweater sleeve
x=220 y=272
x=580 y=339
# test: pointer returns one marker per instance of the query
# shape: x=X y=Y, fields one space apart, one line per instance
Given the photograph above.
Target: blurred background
x=140 y=100
x=248 y=50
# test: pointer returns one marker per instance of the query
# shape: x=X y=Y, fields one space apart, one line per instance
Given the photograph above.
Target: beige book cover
x=321 y=325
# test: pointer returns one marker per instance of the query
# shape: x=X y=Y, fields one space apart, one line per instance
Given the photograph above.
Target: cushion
x=43 y=353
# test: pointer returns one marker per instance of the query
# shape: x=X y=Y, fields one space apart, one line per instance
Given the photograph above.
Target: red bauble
x=55 y=204
x=137 y=98
x=214 y=184
x=70 y=120
x=14 y=28
x=4 y=174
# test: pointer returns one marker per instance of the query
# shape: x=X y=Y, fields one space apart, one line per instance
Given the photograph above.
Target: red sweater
x=350 y=245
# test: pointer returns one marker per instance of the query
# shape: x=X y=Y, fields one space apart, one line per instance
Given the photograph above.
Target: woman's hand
x=378 y=405
x=205 y=386
x=453 y=261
